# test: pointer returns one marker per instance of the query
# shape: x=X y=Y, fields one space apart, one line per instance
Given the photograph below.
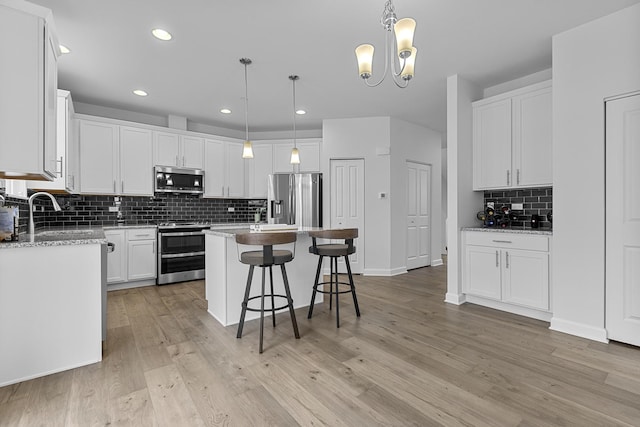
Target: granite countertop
x=538 y=231
x=232 y=231
x=121 y=226
x=58 y=236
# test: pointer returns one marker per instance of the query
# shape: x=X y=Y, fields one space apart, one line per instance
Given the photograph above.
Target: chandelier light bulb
x=404 y=30
x=364 y=53
x=409 y=65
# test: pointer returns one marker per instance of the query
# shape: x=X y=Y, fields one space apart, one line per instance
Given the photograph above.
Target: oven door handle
x=186 y=233
x=182 y=255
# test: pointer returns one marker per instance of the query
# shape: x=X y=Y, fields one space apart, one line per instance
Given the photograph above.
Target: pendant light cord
x=246 y=101
x=294 y=111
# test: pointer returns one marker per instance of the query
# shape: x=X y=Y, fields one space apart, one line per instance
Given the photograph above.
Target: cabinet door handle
x=507 y=254
x=518 y=176
x=222 y=190
x=177 y=163
x=114 y=186
x=497 y=259
x=508 y=177
x=502 y=241
x=154 y=247
x=122 y=186
x=183 y=162
x=60 y=171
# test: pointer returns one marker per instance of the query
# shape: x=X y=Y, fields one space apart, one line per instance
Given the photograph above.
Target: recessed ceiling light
x=301 y=112
x=161 y=34
x=225 y=111
x=64 y=49
x=140 y=92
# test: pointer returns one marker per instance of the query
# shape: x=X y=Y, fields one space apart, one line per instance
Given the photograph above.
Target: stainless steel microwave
x=169 y=179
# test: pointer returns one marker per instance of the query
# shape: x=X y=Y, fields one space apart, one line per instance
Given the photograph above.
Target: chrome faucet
x=56 y=207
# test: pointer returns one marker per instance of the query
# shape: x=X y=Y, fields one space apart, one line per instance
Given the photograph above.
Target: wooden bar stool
x=267 y=257
x=334 y=251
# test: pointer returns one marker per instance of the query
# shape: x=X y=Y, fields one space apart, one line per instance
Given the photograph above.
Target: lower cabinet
x=133 y=260
x=508 y=268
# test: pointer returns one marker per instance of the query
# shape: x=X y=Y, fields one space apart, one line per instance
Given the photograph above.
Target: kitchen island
x=51 y=291
x=226 y=277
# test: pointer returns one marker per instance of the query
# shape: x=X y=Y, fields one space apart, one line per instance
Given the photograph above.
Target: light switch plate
x=113 y=209
x=517 y=206
x=231 y=209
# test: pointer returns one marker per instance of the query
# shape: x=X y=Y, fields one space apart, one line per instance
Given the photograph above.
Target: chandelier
x=247 y=148
x=405 y=51
x=295 y=154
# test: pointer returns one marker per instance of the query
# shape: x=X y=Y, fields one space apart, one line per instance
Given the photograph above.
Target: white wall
x=421 y=145
x=385 y=219
x=462 y=201
x=358 y=139
x=590 y=63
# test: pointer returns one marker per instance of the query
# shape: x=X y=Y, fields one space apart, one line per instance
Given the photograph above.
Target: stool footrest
x=269 y=308
x=336 y=291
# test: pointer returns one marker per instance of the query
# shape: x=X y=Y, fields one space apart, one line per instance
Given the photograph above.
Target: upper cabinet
x=172 y=149
x=258 y=169
x=309 y=156
x=28 y=82
x=223 y=169
x=512 y=139
x=66 y=148
x=115 y=159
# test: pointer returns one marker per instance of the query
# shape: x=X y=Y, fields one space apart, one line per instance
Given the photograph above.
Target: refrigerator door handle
x=292 y=200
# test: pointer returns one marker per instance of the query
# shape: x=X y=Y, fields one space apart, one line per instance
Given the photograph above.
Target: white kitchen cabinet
x=141 y=254
x=115 y=159
x=29 y=100
x=16 y=188
x=134 y=259
x=173 y=149
x=224 y=169
x=117 y=259
x=512 y=139
x=510 y=268
x=136 y=168
x=259 y=169
x=309 y=156
x=67 y=150
x=99 y=154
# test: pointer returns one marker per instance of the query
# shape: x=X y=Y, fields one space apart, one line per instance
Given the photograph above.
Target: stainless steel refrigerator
x=295 y=198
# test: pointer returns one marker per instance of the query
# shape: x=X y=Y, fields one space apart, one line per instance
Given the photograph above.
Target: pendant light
x=247 y=148
x=295 y=154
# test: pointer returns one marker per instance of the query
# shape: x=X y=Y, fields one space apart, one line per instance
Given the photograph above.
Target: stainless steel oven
x=180 y=252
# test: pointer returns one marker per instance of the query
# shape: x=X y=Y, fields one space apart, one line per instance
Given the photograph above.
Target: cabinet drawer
x=141 y=234
x=507 y=240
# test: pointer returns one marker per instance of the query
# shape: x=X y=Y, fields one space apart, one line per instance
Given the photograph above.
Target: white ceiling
x=198 y=72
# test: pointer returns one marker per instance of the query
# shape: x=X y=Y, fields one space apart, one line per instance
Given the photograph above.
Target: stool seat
x=332 y=249
x=280 y=256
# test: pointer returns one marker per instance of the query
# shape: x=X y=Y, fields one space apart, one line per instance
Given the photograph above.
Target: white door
x=623 y=220
x=347 y=204
x=418 y=215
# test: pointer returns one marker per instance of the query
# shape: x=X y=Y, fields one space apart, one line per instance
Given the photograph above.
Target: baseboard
x=436 y=262
x=385 y=272
x=579 y=330
x=131 y=285
x=456 y=299
x=545 y=316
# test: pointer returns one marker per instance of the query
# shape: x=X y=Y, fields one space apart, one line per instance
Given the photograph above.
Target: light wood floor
x=410 y=359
